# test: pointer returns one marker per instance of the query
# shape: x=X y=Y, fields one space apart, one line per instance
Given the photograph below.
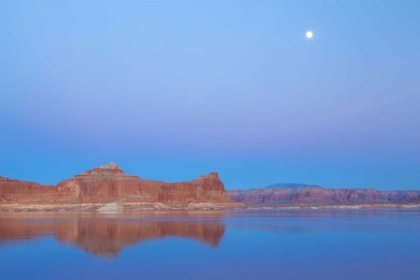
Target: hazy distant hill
x=289 y=186
x=280 y=194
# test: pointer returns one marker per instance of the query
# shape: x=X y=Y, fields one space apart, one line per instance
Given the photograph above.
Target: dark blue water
x=271 y=244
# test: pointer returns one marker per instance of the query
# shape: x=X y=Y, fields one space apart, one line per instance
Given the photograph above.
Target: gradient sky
x=174 y=89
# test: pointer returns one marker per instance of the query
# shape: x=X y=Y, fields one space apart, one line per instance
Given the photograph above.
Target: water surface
x=248 y=244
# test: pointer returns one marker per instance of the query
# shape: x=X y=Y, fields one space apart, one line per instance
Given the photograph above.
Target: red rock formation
x=109 y=183
x=14 y=191
x=318 y=195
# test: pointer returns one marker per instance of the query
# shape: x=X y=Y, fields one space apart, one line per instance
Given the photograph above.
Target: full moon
x=309 y=35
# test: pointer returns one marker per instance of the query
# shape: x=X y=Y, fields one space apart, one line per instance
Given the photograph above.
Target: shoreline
x=341 y=206
x=114 y=207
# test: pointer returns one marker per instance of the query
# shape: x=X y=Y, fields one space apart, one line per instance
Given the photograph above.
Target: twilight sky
x=173 y=89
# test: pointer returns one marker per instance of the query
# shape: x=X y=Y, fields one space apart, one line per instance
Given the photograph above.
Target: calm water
x=272 y=244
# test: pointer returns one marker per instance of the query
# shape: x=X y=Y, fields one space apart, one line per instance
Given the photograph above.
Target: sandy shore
x=115 y=207
x=341 y=206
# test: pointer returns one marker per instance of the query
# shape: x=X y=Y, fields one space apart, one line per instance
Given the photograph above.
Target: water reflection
x=107 y=236
x=295 y=244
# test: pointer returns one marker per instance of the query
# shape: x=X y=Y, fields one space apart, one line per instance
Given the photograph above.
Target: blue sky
x=173 y=89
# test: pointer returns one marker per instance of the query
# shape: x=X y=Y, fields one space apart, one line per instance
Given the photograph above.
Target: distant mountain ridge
x=301 y=194
x=290 y=186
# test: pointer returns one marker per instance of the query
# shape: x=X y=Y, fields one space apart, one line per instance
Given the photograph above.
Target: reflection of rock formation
x=108 y=237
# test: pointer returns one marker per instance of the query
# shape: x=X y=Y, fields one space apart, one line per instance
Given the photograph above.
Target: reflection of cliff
x=108 y=237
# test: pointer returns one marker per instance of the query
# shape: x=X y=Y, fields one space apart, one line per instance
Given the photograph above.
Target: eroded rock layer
x=109 y=184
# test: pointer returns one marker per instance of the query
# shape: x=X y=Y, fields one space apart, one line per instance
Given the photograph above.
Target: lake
x=241 y=244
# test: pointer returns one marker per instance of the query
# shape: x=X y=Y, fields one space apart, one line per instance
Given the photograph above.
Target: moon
x=309 y=34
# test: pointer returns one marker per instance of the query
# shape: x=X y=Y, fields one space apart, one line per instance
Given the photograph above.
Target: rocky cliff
x=15 y=191
x=109 y=184
x=318 y=195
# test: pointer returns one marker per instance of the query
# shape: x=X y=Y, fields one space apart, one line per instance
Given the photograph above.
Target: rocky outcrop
x=15 y=191
x=109 y=184
x=318 y=195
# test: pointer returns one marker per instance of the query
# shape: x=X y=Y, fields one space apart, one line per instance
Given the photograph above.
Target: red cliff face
x=108 y=183
x=14 y=191
x=318 y=195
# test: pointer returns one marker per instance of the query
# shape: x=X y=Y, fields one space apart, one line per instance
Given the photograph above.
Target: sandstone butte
x=108 y=188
